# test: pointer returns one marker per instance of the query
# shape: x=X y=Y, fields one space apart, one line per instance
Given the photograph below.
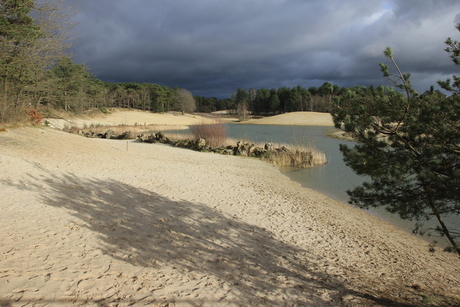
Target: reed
x=297 y=157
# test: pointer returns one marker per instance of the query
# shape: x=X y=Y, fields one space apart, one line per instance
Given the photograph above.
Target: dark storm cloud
x=213 y=47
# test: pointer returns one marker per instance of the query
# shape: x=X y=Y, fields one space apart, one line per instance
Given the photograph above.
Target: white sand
x=113 y=223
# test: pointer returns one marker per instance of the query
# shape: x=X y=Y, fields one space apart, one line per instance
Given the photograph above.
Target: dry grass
x=178 y=136
x=298 y=157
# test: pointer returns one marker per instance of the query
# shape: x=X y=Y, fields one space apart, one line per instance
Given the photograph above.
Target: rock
x=109 y=134
x=258 y=152
x=242 y=149
x=251 y=149
x=141 y=137
x=184 y=143
x=147 y=138
x=200 y=144
x=160 y=137
x=127 y=135
x=269 y=146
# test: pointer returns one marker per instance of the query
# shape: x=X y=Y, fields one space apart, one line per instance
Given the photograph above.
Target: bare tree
x=184 y=101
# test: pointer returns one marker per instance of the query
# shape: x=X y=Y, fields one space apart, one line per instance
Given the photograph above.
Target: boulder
x=160 y=137
x=241 y=149
x=258 y=152
x=200 y=144
x=127 y=135
x=109 y=134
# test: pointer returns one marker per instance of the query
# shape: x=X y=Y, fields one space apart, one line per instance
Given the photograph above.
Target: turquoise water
x=332 y=179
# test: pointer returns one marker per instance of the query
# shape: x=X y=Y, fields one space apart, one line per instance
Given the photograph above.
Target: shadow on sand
x=146 y=229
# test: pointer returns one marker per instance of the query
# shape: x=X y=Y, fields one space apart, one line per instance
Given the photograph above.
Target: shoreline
x=87 y=221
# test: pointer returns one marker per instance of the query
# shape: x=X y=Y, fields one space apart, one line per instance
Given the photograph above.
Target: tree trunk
x=435 y=211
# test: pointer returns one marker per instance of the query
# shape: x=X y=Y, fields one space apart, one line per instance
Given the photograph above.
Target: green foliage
x=29 y=46
x=408 y=144
x=70 y=82
x=18 y=35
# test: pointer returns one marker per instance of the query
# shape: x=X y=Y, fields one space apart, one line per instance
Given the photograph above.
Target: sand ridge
x=99 y=223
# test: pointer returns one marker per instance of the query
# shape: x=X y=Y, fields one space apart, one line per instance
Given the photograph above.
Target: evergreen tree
x=18 y=34
x=409 y=145
x=70 y=80
x=274 y=102
x=28 y=47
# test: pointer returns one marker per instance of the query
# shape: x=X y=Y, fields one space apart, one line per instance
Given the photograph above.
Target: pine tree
x=409 y=146
x=28 y=47
x=18 y=35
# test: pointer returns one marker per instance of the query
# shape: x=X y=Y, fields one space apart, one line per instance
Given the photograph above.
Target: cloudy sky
x=213 y=47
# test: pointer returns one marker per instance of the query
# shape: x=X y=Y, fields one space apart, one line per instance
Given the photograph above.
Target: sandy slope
x=115 y=223
x=296 y=118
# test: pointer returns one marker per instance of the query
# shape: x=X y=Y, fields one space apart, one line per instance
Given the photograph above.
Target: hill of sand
x=96 y=222
x=296 y=118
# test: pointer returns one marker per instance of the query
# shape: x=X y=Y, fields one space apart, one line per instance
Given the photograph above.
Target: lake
x=332 y=179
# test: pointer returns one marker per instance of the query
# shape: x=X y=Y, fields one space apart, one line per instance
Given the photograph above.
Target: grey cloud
x=214 y=47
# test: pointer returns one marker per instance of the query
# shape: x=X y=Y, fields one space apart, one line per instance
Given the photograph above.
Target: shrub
x=34 y=115
x=214 y=132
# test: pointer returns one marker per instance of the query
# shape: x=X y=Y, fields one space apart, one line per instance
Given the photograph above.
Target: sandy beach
x=95 y=222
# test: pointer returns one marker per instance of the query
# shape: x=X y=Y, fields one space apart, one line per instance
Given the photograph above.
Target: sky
x=214 y=47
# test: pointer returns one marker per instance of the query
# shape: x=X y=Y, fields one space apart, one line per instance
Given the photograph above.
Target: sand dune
x=113 y=223
x=296 y=118
x=137 y=117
